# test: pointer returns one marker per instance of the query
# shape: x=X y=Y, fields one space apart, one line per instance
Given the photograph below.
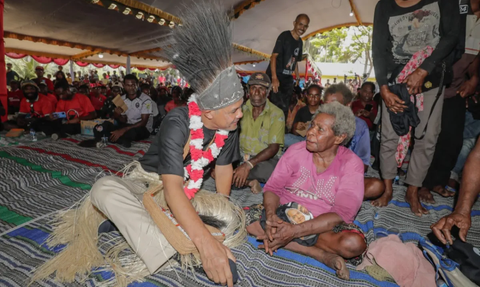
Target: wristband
x=249 y=163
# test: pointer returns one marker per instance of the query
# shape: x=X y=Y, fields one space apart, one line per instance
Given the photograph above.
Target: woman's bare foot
x=335 y=262
x=424 y=195
x=411 y=197
x=442 y=191
x=386 y=196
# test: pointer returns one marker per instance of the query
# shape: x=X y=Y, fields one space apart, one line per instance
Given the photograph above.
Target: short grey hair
x=344 y=119
x=342 y=89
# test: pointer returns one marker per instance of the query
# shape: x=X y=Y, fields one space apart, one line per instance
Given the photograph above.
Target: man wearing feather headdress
x=190 y=140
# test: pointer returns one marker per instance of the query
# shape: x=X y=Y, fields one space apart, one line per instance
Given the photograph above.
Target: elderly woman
x=323 y=181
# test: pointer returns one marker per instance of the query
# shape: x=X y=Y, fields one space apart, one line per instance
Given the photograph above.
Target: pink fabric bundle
x=403 y=261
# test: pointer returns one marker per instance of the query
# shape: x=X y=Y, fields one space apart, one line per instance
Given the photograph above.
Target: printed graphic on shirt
x=305 y=187
x=414 y=31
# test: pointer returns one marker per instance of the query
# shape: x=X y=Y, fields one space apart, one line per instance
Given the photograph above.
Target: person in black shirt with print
x=284 y=61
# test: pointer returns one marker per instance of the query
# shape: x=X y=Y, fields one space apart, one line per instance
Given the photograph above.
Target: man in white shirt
x=136 y=122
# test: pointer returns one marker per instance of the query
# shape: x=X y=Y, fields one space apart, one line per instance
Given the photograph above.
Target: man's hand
x=115 y=135
x=285 y=233
x=73 y=121
x=468 y=87
x=415 y=81
x=275 y=84
x=215 y=257
x=240 y=175
x=118 y=111
x=392 y=101
x=442 y=228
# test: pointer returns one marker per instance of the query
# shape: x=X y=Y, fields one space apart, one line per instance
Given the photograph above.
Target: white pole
x=71 y=69
x=128 y=65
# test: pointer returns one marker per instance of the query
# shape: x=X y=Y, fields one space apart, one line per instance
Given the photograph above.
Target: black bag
x=468 y=257
x=402 y=121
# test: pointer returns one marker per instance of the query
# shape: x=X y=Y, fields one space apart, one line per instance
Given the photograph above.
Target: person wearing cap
x=261 y=136
x=34 y=107
x=40 y=71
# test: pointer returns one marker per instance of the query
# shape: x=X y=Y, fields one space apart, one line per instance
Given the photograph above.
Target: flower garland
x=200 y=158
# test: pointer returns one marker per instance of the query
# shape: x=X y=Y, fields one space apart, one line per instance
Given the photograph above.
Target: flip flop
x=450 y=189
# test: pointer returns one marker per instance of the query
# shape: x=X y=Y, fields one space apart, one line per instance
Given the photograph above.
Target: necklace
x=200 y=158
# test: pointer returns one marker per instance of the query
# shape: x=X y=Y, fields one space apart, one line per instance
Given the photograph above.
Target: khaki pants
x=120 y=200
x=423 y=150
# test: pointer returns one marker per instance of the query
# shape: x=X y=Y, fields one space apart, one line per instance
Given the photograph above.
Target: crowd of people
x=308 y=150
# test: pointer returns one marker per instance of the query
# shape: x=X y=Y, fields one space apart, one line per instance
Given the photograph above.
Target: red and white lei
x=200 y=158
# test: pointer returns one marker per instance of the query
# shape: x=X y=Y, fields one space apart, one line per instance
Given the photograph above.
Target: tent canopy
x=81 y=29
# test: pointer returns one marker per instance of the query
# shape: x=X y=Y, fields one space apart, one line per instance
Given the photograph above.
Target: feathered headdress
x=201 y=49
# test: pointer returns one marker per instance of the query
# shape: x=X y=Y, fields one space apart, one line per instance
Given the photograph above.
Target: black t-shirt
x=289 y=53
x=303 y=115
x=165 y=155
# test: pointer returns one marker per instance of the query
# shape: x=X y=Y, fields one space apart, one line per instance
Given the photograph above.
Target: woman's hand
x=392 y=101
x=415 y=81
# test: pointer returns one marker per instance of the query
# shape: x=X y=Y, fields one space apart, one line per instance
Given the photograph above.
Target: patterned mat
x=41 y=178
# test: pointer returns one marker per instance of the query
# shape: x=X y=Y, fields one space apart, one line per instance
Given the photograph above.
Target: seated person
x=15 y=96
x=261 y=135
x=295 y=104
x=304 y=116
x=108 y=109
x=135 y=123
x=314 y=194
x=365 y=107
x=468 y=194
x=84 y=90
x=44 y=91
x=97 y=99
x=360 y=143
x=177 y=100
x=77 y=107
x=34 y=108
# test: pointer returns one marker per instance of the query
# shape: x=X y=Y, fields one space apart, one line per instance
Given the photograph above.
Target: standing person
x=11 y=74
x=284 y=62
x=403 y=31
x=464 y=84
x=40 y=71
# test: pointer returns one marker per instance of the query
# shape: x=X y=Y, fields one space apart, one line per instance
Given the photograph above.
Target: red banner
x=15 y=55
x=82 y=64
x=42 y=60
x=60 y=62
x=98 y=65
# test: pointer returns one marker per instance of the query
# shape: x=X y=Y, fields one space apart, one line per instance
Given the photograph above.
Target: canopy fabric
x=80 y=30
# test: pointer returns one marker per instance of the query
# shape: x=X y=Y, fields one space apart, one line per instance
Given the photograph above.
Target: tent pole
x=3 y=72
x=71 y=70
x=128 y=65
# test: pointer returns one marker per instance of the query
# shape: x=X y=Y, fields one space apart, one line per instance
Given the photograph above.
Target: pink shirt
x=338 y=189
